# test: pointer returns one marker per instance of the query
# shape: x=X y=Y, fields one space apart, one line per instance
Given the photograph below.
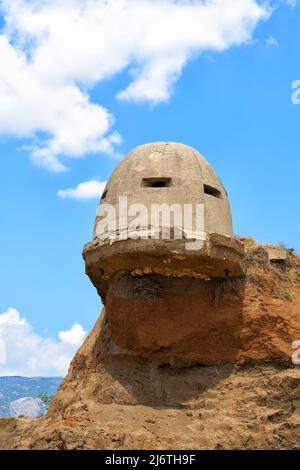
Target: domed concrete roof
x=172 y=173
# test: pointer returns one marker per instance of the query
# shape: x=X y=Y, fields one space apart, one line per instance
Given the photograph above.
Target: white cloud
x=53 y=52
x=74 y=336
x=84 y=191
x=29 y=354
x=271 y=41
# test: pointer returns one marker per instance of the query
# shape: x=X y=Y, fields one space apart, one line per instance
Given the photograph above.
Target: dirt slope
x=194 y=365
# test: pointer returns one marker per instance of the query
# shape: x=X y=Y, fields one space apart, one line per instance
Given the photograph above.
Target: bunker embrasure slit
x=156 y=182
x=211 y=191
x=104 y=195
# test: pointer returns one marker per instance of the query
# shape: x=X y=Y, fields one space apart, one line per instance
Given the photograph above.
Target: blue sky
x=233 y=105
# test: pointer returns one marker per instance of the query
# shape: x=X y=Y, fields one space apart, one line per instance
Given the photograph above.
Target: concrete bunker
x=171 y=174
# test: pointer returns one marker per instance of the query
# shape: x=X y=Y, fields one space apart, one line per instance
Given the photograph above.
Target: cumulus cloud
x=88 y=190
x=73 y=337
x=53 y=52
x=24 y=352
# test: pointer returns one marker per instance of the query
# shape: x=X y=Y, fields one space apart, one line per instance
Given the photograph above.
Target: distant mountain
x=13 y=388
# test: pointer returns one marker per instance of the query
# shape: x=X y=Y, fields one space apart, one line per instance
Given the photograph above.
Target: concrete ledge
x=219 y=257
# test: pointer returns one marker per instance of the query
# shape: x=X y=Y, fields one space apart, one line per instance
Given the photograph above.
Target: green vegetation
x=45 y=399
x=284 y=293
x=291 y=251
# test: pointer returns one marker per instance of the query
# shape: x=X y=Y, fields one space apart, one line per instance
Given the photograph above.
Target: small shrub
x=291 y=251
x=284 y=293
x=45 y=399
x=255 y=274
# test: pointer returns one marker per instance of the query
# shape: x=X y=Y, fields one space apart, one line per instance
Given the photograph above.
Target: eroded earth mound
x=178 y=362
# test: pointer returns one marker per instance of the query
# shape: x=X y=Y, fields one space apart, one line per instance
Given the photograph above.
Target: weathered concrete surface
x=188 y=173
x=189 y=180
x=277 y=254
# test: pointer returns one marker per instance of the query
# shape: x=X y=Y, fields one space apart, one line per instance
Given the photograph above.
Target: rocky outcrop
x=28 y=407
x=178 y=362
